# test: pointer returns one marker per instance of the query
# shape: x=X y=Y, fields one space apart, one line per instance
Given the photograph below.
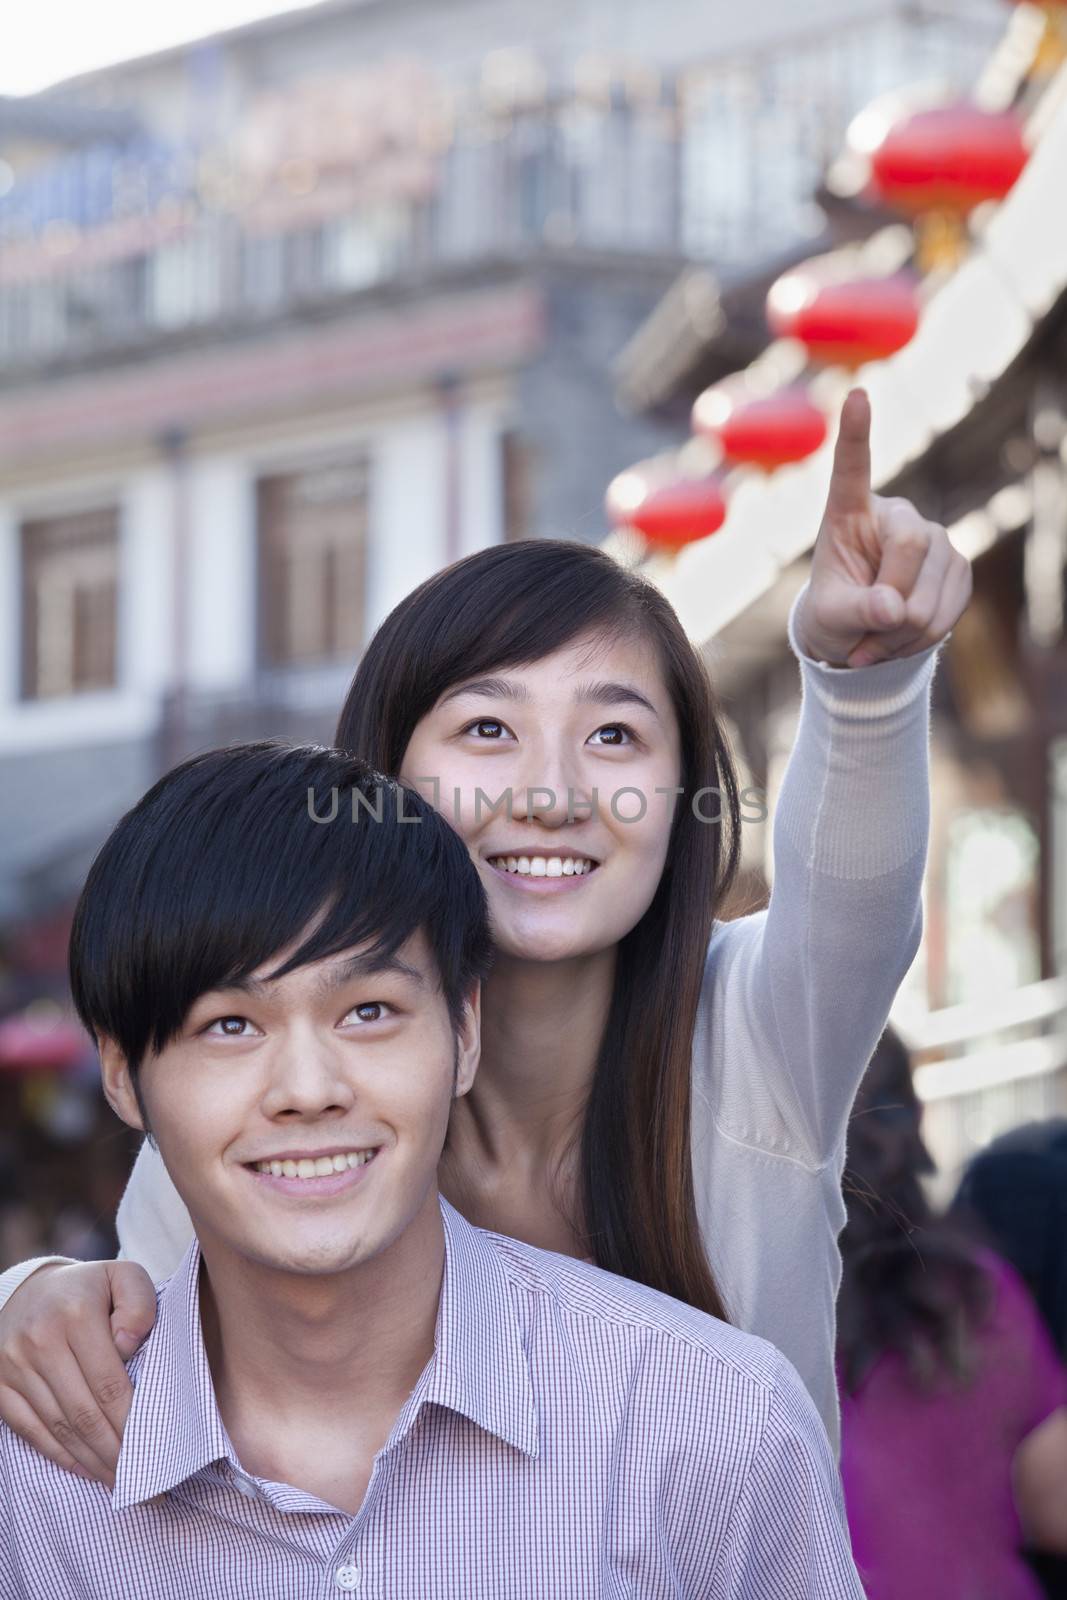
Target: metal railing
x=718 y=162
x=999 y=1064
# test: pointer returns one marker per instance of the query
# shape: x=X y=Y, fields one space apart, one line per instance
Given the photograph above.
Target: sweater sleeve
x=802 y=990
x=153 y=1225
x=16 y=1276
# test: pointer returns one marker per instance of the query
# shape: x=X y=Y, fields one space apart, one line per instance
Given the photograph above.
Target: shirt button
x=347 y=1577
x=249 y=1490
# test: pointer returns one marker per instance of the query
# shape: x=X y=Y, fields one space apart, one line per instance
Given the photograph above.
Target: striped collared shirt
x=573 y=1436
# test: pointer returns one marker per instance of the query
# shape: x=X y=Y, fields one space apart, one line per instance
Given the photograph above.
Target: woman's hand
x=885 y=583
x=64 y=1335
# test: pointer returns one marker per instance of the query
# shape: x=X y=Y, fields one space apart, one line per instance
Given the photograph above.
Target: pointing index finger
x=850 y=480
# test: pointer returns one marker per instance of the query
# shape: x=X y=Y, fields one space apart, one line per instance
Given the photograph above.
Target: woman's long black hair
x=912 y=1282
x=514 y=604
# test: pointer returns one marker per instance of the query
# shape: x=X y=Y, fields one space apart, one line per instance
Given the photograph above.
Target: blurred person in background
x=1014 y=1194
x=662 y=1092
x=954 y=1400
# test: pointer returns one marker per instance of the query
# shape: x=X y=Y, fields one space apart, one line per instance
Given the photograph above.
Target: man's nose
x=307 y=1076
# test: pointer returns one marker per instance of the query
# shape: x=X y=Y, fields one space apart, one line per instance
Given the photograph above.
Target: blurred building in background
x=970 y=423
x=294 y=316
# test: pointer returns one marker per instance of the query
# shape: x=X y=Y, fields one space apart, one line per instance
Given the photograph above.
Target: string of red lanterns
x=936 y=164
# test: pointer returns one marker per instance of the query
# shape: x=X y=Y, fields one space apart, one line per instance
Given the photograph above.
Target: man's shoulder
x=641 y=1319
x=27 y=1477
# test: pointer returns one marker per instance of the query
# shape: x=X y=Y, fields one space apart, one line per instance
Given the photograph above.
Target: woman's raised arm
x=821 y=966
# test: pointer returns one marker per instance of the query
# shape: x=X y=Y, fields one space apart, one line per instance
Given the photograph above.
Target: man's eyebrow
x=600 y=694
x=365 y=966
x=355 y=966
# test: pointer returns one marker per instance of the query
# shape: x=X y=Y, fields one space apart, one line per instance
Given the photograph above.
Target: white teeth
x=543 y=866
x=317 y=1167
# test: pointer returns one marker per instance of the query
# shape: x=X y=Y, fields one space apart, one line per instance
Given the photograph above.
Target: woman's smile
x=543 y=872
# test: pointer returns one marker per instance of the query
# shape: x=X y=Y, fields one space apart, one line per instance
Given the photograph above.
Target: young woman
x=659 y=1090
x=954 y=1413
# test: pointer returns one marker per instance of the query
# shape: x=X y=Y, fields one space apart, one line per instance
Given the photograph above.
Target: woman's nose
x=551 y=788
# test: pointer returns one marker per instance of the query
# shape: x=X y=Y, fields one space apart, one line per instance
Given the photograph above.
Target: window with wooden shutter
x=312 y=530
x=69 y=603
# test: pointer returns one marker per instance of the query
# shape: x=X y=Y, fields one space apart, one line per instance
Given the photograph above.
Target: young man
x=348 y=1388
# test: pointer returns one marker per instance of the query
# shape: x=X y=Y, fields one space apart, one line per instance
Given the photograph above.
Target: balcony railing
x=997 y=1065
x=115 y=248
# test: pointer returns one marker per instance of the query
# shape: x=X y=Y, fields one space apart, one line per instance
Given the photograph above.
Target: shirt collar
x=480 y=1365
x=479 y=1368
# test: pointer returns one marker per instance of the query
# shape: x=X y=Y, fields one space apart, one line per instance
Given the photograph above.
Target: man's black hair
x=222 y=864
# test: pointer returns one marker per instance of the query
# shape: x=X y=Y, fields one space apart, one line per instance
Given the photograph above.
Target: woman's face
x=551 y=767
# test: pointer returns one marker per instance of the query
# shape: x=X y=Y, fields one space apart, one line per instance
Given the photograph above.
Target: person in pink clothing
x=953 y=1399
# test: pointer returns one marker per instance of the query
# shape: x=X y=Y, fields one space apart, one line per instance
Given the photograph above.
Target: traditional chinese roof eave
x=964 y=467
x=974 y=335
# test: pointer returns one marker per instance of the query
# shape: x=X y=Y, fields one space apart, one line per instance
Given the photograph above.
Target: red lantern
x=669 y=512
x=951 y=158
x=844 y=323
x=769 y=432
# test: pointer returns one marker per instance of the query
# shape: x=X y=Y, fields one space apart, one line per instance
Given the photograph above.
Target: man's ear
x=469 y=1040
x=118 y=1083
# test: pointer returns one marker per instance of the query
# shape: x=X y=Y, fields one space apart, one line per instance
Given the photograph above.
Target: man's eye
x=483 y=723
x=376 y=1008
x=222 y=1030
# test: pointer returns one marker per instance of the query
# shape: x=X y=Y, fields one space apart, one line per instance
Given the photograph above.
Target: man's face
x=353 y=1073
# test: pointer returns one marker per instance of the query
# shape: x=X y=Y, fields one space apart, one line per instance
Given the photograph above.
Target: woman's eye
x=483 y=723
x=228 y=1032
x=489 y=728
x=618 y=732
x=377 y=1008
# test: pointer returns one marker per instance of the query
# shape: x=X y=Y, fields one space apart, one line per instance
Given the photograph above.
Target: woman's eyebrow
x=491 y=688
x=601 y=694
x=612 y=694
